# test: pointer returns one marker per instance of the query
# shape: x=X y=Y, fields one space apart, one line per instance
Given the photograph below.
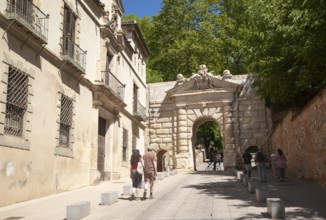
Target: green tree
x=234 y=33
x=211 y=134
x=184 y=39
x=288 y=50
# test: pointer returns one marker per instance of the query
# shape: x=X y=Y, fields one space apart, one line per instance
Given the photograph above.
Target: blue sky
x=142 y=7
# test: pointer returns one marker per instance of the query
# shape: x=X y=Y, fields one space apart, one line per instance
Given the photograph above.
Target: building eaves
x=138 y=34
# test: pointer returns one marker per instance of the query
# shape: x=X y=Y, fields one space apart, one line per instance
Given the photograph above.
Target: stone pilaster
x=182 y=131
x=229 y=160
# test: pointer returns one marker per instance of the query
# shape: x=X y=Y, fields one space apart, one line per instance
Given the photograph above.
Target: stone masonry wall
x=302 y=137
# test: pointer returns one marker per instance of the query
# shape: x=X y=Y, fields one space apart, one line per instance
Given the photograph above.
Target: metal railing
x=29 y=15
x=73 y=53
x=112 y=83
x=140 y=110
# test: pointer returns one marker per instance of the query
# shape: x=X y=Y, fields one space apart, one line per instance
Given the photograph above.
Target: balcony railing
x=30 y=16
x=112 y=83
x=74 y=54
x=139 y=111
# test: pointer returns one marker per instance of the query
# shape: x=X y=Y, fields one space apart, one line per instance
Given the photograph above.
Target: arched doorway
x=164 y=161
x=206 y=139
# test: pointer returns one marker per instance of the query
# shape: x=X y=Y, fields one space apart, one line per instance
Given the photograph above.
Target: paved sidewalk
x=197 y=195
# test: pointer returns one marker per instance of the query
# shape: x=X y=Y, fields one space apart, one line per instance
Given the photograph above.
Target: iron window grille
x=17 y=99
x=66 y=120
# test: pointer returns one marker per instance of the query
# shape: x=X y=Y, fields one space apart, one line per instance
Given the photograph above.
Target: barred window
x=124 y=144
x=17 y=99
x=66 y=114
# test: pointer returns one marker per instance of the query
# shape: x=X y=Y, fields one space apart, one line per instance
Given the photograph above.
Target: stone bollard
x=78 y=210
x=275 y=208
x=160 y=176
x=109 y=198
x=166 y=173
x=245 y=180
x=127 y=190
x=261 y=194
x=239 y=175
x=252 y=186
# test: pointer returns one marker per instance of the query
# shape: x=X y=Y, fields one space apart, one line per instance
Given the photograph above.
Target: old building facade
x=178 y=108
x=73 y=91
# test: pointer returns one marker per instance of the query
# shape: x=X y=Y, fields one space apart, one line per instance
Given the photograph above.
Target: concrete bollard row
x=275 y=206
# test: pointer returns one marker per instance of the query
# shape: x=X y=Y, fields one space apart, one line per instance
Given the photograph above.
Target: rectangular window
x=69 y=25
x=124 y=144
x=135 y=98
x=66 y=120
x=17 y=99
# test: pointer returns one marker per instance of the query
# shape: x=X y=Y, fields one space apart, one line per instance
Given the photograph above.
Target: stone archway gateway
x=199 y=150
x=175 y=108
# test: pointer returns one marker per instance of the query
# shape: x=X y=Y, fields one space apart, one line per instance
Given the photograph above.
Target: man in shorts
x=150 y=166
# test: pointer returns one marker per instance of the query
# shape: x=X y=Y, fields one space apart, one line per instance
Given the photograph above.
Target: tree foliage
x=210 y=133
x=184 y=39
x=289 y=49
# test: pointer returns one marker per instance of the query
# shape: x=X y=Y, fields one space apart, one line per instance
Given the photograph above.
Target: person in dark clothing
x=260 y=161
x=135 y=176
x=247 y=162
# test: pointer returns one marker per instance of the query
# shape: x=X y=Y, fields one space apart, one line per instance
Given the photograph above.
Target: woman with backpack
x=136 y=173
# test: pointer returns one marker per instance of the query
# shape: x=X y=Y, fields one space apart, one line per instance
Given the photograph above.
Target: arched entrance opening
x=164 y=161
x=206 y=140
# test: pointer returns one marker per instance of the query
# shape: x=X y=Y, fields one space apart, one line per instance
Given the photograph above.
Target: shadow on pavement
x=303 y=200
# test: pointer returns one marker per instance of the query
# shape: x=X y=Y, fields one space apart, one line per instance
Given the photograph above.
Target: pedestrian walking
x=280 y=165
x=136 y=174
x=272 y=159
x=247 y=162
x=214 y=160
x=219 y=159
x=150 y=166
x=260 y=161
